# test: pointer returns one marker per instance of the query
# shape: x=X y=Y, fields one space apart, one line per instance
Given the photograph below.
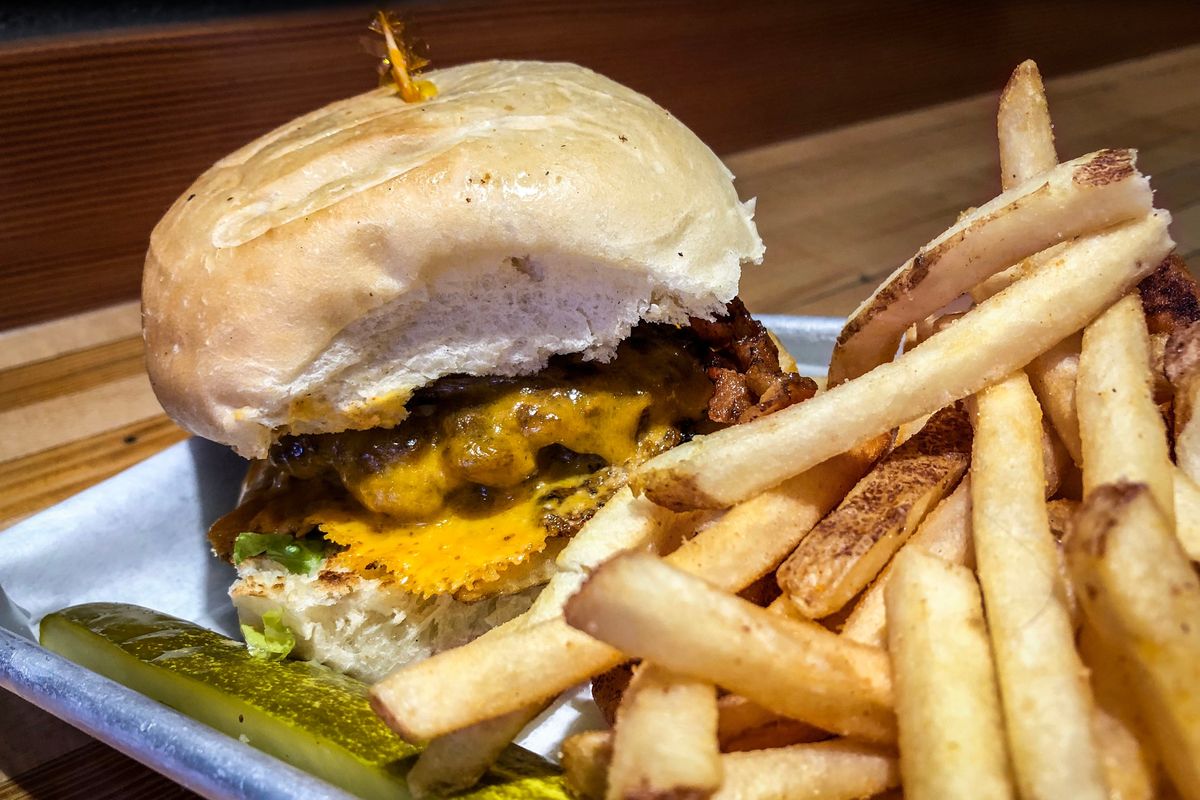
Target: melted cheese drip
x=483 y=473
x=452 y=554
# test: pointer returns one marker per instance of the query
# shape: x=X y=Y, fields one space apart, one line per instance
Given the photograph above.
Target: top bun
x=310 y=281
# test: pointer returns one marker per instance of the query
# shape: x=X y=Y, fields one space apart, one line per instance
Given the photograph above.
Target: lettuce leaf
x=274 y=641
x=300 y=556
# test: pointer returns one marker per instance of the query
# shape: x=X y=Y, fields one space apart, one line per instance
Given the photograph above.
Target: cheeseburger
x=444 y=331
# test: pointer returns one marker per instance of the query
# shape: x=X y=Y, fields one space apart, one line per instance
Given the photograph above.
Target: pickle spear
x=307 y=715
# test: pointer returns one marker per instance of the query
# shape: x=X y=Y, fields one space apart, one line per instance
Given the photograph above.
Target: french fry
x=1141 y=593
x=1182 y=366
x=991 y=341
x=1123 y=434
x=487 y=678
x=947 y=705
x=752 y=538
x=454 y=689
x=1026 y=139
x=736 y=715
x=782 y=732
x=458 y=760
x=1052 y=376
x=834 y=770
x=1128 y=773
x=847 y=549
x=1187 y=513
x=1047 y=707
x=1075 y=198
x=623 y=523
x=585 y=760
x=1169 y=295
x=1023 y=128
x=743 y=724
x=665 y=739
x=1130 y=767
x=645 y=607
x=1059 y=514
x=945 y=533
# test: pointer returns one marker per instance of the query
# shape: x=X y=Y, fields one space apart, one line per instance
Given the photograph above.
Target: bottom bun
x=360 y=626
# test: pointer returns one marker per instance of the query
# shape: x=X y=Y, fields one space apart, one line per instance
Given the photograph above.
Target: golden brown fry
x=781 y=732
x=1118 y=722
x=486 y=678
x=736 y=715
x=1060 y=512
x=645 y=607
x=453 y=689
x=1139 y=590
x=665 y=739
x=1052 y=376
x=945 y=533
x=1047 y=707
x=458 y=760
x=752 y=538
x=847 y=549
x=585 y=759
x=460 y=757
x=1182 y=366
x=989 y=342
x=1187 y=513
x=1123 y=434
x=625 y=522
x=951 y=733
x=833 y=770
x=1128 y=772
x=1023 y=127
x=1076 y=198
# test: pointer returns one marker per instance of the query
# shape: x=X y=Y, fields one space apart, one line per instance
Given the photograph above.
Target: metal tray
x=139 y=538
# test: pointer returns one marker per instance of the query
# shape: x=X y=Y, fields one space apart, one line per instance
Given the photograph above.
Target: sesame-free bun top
x=310 y=281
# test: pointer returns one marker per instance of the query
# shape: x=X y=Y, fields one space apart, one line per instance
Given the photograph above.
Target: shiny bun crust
x=310 y=281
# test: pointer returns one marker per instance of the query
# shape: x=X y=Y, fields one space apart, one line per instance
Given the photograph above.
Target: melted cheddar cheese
x=485 y=471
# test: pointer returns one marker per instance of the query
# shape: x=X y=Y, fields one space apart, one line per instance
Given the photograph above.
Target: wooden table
x=838 y=211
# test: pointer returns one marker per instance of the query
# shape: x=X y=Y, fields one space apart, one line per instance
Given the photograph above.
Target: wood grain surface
x=100 y=132
x=838 y=210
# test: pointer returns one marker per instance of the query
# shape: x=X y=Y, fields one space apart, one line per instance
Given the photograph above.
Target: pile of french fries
x=984 y=545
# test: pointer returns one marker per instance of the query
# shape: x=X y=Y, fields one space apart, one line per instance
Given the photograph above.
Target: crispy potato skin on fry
x=991 y=341
x=846 y=550
x=945 y=533
x=1105 y=167
x=1087 y=194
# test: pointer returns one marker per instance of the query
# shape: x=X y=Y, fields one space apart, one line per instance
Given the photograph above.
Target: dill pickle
x=311 y=717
